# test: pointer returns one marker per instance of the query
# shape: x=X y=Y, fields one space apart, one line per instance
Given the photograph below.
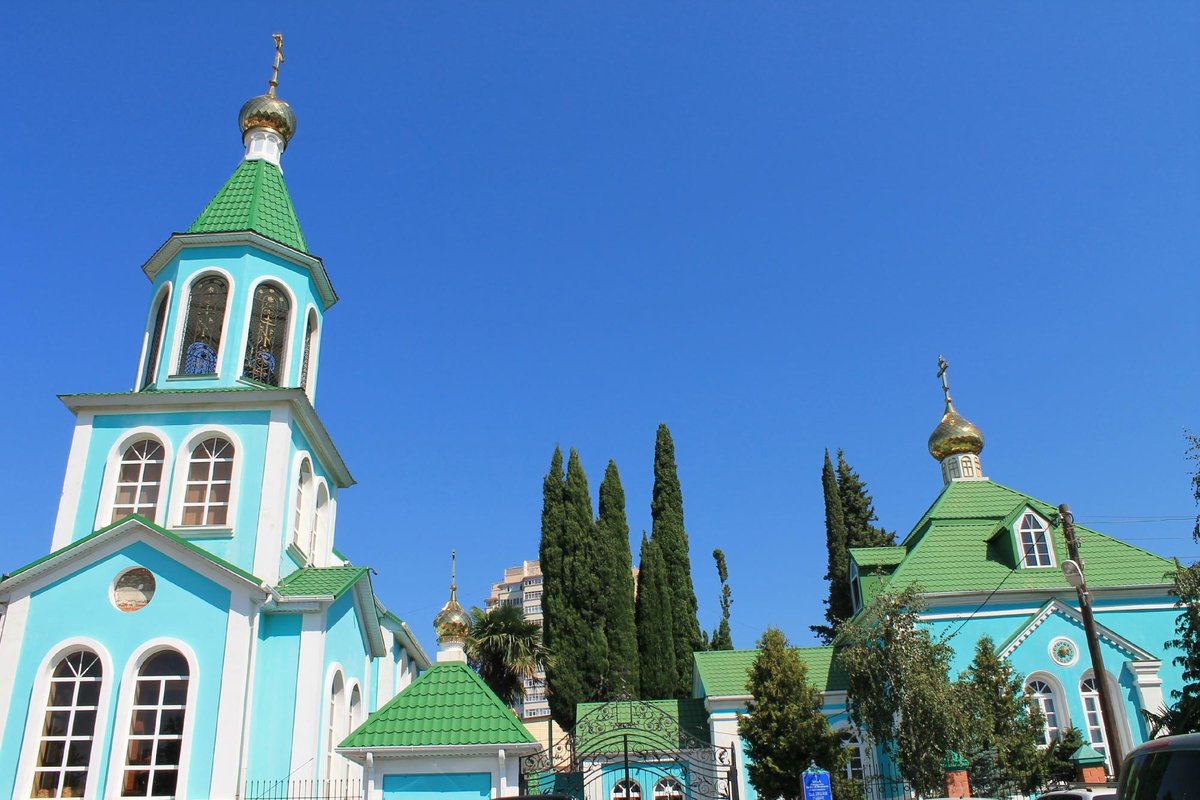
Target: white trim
x=331 y=704
x=1064 y=640
x=1105 y=633
x=309 y=698
x=35 y=712
x=139 y=378
x=283 y=370
x=1061 y=706
x=441 y=751
x=179 y=483
x=120 y=740
x=314 y=352
x=112 y=466
x=12 y=632
x=1120 y=718
x=1026 y=611
x=299 y=536
x=319 y=537
x=248 y=700
x=1015 y=530
x=272 y=531
x=232 y=710
x=183 y=301
x=68 y=504
x=1148 y=684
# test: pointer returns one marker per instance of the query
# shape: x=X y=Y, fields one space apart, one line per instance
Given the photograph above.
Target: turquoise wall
x=273 y=714
x=299 y=444
x=249 y=426
x=244 y=265
x=344 y=646
x=463 y=786
x=79 y=605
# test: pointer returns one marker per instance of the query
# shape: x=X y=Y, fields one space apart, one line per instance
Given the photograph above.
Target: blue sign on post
x=816 y=784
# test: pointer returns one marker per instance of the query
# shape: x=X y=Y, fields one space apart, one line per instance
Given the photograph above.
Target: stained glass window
x=310 y=333
x=65 y=751
x=202 y=330
x=160 y=320
x=267 y=335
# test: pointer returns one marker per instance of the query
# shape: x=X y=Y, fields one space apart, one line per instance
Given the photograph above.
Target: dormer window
x=1033 y=535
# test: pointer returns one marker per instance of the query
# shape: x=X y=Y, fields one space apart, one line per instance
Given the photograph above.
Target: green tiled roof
x=877 y=556
x=649 y=724
x=200 y=551
x=962 y=544
x=320 y=581
x=725 y=672
x=253 y=199
x=448 y=705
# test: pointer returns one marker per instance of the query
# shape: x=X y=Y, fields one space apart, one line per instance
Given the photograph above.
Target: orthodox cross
x=453 y=587
x=941 y=373
x=278 y=37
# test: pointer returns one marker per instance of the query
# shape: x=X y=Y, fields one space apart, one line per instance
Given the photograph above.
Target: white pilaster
x=1148 y=684
x=268 y=546
x=68 y=503
x=263 y=144
x=233 y=712
x=309 y=697
x=10 y=646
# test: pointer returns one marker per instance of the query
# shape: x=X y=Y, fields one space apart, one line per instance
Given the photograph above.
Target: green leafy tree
x=785 y=730
x=899 y=687
x=620 y=627
x=1004 y=730
x=838 y=606
x=722 y=639
x=505 y=649
x=666 y=513
x=1057 y=756
x=656 y=643
x=858 y=509
x=1183 y=715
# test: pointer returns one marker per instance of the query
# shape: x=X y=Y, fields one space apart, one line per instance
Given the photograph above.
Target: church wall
x=78 y=606
x=289 y=558
x=244 y=267
x=248 y=428
x=274 y=703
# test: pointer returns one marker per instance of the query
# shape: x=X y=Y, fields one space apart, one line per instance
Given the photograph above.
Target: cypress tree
x=838 y=606
x=666 y=512
x=559 y=618
x=722 y=639
x=656 y=644
x=858 y=509
x=616 y=565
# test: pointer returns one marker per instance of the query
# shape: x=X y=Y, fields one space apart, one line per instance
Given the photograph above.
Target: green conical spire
x=254 y=198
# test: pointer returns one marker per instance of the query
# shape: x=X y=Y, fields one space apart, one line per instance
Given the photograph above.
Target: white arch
x=298 y=539
x=1059 y=694
x=314 y=351
x=120 y=741
x=183 y=298
x=322 y=516
x=281 y=369
x=1120 y=719
x=112 y=465
x=179 y=479
x=332 y=719
x=37 y=711
x=149 y=333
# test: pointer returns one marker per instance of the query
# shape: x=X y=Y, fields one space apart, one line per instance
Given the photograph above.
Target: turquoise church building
x=194 y=629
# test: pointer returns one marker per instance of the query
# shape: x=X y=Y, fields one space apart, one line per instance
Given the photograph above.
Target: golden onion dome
x=452 y=622
x=268 y=111
x=954 y=435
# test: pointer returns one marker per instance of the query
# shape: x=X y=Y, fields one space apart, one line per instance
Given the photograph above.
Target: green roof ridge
x=320 y=581
x=255 y=198
x=448 y=705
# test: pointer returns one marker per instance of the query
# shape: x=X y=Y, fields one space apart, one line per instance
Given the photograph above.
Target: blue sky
x=564 y=223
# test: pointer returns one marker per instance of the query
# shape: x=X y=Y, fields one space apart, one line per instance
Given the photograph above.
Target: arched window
x=1090 y=696
x=139 y=480
x=852 y=744
x=1035 y=543
x=1043 y=694
x=310 y=336
x=300 y=517
x=320 y=525
x=266 y=335
x=155 y=748
x=334 y=722
x=209 y=481
x=202 y=330
x=65 y=750
x=627 y=790
x=968 y=468
x=156 y=334
x=668 y=789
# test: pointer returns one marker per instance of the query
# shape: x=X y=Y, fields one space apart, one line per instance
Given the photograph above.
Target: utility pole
x=1073 y=571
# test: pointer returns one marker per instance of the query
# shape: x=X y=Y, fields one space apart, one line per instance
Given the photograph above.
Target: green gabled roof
x=955 y=547
x=649 y=724
x=878 y=556
x=448 y=705
x=320 y=581
x=200 y=551
x=725 y=672
x=253 y=199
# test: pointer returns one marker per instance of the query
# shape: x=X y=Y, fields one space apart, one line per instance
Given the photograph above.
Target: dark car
x=1163 y=769
x=1102 y=793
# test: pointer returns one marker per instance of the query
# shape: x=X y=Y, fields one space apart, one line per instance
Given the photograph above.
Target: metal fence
x=303 y=790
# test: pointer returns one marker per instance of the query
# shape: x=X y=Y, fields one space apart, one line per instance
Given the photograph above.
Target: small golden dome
x=452 y=622
x=268 y=111
x=954 y=435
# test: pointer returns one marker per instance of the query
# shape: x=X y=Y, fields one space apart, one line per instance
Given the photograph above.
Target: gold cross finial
x=453 y=587
x=278 y=37
x=941 y=373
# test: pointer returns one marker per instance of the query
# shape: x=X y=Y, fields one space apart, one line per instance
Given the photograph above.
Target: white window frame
x=143 y=364
x=301 y=505
x=37 y=713
x=1058 y=697
x=284 y=369
x=179 y=482
x=314 y=350
x=1022 y=561
x=633 y=792
x=333 y=719
x=120 y=740
x=676 y=792
x=112 y=465
x=182 y=299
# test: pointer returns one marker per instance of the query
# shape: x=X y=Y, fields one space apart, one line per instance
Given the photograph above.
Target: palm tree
x=505 y=649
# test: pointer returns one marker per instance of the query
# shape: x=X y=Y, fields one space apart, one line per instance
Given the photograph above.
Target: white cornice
x=178 y=241
x=302 y=411
x=1058 y=607
x=439 y=751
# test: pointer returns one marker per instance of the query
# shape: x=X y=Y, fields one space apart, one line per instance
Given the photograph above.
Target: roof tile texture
x=254 y=198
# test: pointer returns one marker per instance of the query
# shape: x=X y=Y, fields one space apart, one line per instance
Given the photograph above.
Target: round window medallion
x=1064 y=652
x=133 y=589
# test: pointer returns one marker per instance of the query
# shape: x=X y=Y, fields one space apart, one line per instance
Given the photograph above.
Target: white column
x=277 y=472
x=723 y=731
x=68 y=503
x=310 y=697
x=233 y=711
x=1148 y=684
x=10 y=646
